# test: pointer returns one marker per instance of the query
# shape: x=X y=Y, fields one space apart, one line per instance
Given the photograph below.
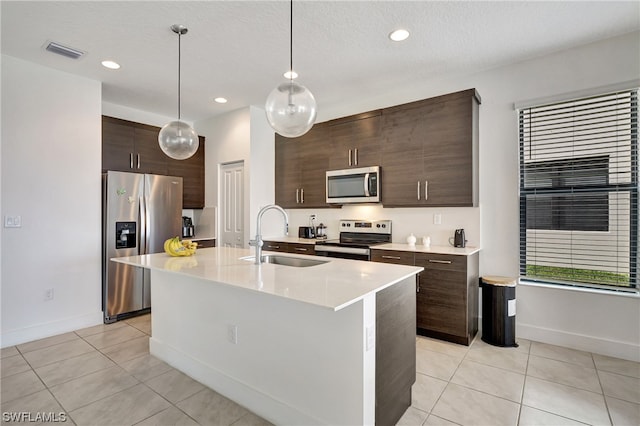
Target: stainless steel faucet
x=257 y=243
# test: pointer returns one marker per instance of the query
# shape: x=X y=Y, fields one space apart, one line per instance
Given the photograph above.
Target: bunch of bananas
x=175 y=247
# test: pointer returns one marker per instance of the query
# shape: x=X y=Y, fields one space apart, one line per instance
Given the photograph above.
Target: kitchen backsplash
x=204 y=221
x=419 y=221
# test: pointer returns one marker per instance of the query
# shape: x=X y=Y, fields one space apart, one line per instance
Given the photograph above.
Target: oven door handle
x=338 y=249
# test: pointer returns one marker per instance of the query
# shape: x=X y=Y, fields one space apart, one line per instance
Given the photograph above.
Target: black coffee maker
x=187 y=227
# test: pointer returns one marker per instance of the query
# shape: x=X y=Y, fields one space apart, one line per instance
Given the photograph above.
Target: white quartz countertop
x=334 y=285
x=419 y=248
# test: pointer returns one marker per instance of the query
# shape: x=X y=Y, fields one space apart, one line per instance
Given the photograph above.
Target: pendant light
x=291 y=107
x=177 y=139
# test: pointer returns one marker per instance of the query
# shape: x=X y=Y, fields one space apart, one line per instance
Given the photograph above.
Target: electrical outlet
x=371 y=337
x=12 y=221
x=437 y=219
x=232 y=334
x=48 y=294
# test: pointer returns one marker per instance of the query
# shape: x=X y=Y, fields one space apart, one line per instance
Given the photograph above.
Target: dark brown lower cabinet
x=206 y=243
x=447 y=297
x=285 y=247
x=446 y=294
x=395 y=350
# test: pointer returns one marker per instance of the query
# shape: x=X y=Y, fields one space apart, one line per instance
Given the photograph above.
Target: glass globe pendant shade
x=291 y=109
x=178 y=140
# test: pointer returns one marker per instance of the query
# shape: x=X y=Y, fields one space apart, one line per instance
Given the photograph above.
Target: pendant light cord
x=179 y=60
x=291 y=40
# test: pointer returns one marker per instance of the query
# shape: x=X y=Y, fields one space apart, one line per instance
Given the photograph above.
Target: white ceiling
x=240 y=49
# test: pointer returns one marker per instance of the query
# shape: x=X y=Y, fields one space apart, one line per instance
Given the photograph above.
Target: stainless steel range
x=356 y=238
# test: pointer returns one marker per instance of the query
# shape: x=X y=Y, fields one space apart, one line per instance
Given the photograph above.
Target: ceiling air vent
x=64 y=50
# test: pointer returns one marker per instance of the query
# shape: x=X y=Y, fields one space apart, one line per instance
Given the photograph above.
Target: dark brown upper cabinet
x=355 y=141
x=430 y=152
x=192 y=172
x=300 y=167
x=128 y=146
x=427 y=150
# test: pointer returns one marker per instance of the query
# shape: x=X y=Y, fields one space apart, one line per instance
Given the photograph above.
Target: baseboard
x=276 y=412
x=48 y=329
x=580 y=342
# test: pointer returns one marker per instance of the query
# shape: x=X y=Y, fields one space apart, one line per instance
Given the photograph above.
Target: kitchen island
x=332 y=343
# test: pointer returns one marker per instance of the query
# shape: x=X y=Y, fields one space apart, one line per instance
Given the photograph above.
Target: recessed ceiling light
x=290 y=75
x=111 y=65
x=399 y=35
x=221 y=100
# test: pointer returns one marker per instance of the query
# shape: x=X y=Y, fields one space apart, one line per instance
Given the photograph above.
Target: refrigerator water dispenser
x=125 y=235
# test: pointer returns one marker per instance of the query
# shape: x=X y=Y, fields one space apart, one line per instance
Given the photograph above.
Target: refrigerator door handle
x=143 y=226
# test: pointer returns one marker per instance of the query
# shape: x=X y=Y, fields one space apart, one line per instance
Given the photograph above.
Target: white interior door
x=232 y=205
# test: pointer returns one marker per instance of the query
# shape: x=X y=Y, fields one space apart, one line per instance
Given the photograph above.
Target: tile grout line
x=604 y=396
x=524 y=385
x=43 y=384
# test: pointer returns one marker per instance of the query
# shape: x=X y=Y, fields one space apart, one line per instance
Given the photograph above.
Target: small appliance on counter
x=306 y=232
x=321 y=231
x=187 y=227
x=458 y=238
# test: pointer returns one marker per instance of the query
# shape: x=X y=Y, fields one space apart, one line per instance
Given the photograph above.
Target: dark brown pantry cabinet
x=446 y=292
x=128 y=146
x=430 y=152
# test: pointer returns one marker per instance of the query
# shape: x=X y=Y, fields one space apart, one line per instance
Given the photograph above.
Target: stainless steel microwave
x=361 y=185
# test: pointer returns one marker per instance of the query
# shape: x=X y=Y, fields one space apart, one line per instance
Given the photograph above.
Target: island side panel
x=293 y=363
x=395 y=350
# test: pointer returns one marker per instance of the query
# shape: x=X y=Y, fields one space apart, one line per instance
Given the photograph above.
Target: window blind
x=579 y=191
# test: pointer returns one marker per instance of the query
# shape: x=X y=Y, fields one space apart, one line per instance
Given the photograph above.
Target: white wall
x=51 y=154
x=405 y=221
x=242 y=135
x=139 y=116
x=543 y=313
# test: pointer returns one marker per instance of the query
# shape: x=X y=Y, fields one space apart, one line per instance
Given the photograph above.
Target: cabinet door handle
x=446 y=262
x=418 y=285
x=301 y=249
x=426 y=190
x=273 y=247
x=297 y=196
x=418 y=190
x=138 y=159
x=350 y=157
x=391 y=257
x=131 y=160
x=355 y=156
x=302 y=196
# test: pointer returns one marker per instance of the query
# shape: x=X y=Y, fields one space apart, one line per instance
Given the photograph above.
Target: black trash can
x=499 y=310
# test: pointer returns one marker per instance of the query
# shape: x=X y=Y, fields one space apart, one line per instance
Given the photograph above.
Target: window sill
x=635 y=294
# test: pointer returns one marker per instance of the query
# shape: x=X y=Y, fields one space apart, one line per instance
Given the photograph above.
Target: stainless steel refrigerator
x=139 y=212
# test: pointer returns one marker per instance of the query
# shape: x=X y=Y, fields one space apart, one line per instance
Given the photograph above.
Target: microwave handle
x=366 y=185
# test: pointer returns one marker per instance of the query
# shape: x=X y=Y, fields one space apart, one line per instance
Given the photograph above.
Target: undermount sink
x=297 y=262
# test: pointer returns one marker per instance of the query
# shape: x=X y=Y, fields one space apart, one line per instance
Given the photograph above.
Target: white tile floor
x=104 y=375
x=534 y=384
